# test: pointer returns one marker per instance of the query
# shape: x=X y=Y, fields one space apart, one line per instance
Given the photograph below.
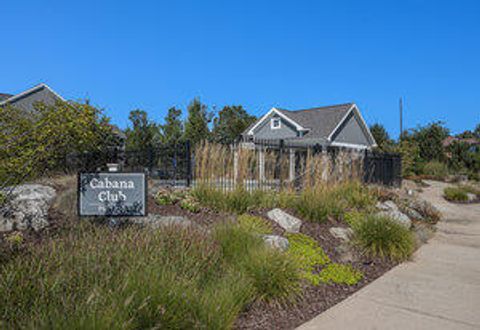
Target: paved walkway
x=439 y=289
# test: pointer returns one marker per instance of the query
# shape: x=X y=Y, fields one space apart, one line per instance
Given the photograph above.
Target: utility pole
x=401 y=117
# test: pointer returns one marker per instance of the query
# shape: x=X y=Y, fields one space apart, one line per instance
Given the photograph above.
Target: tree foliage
x=172 y=130
x=429 y=139
x=381 y=136
x=196 y=127
x=32 y=143
x=143 y=134
x=230 y=123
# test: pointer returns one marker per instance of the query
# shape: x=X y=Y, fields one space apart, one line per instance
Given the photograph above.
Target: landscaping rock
x=341 y=233
x=277 y=242
x=285 y=220
x=156 y=221
x=387 y=206
x=397 y=217
x=27 y=208
x=412 y=214
x=471 y=197
x=345 y=253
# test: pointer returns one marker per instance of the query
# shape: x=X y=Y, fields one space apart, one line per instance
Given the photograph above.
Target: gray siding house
x=337 y=125
x=27 y=99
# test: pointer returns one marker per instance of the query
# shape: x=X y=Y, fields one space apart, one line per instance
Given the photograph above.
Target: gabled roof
x=320 y=121
x=28 y=92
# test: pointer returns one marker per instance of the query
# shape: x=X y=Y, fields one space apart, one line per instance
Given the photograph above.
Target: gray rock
x=341 y=233
x=285 y=220
x=397 y=217
x=346 y=253
x=156 y=221
x=277 y=242
x=471 y=197
x=387 y=206
x=27 y=208
x=412 y=214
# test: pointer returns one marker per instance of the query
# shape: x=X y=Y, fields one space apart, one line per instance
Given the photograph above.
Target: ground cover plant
x=459 y=193
x=381 y=237
x=173 y=278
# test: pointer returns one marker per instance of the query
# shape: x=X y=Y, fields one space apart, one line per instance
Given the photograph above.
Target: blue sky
x=294 y=54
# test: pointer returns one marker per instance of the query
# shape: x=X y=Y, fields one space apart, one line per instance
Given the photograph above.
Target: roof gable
x=41 y=87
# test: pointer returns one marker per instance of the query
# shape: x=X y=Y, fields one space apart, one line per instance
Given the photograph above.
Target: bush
x=255 y=224
x=435 y=170
x=190 y=204
x=135 y=279
x=340 y=274
x=308 y=254
x=455 y=194
x=382 y=237
x=274 y=274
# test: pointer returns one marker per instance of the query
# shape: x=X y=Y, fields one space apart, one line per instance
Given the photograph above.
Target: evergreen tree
x=143 y=134
x=196 y=127
x=172 y=130
x=381 y=136
x=230 y=123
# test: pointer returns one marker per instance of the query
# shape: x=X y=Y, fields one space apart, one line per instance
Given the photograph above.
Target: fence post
x=188 y=155
x=291 y=174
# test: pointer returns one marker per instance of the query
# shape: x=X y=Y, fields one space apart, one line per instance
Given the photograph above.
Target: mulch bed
x=314 y=299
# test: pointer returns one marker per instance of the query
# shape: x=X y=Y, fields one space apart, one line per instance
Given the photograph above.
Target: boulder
x=285 y=220
x=341 y=233
x=387 y=206
x=346 y=253
x=412 y=214
x=156 y=221
x=397 y=217
x=277 y=242
x=471 y=197
x=27 y=207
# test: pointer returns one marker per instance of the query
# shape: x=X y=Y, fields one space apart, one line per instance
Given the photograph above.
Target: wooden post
x=261 y=165
x=235 y=165
x=291 y=174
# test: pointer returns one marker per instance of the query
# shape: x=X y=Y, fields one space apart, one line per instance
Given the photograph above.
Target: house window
x=275 y=123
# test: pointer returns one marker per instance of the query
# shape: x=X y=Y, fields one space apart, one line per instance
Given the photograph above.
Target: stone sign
x=112 y=194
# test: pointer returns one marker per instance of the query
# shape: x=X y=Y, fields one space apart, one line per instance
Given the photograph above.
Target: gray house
x=26 y=99
x=337 y=125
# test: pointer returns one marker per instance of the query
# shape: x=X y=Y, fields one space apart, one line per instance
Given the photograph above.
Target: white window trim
x=275 y=119
x=273 y=110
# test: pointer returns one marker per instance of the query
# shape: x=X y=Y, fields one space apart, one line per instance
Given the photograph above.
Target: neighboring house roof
x=29 y=93
x=4 y=96
x=319 y=124
x=449 y=140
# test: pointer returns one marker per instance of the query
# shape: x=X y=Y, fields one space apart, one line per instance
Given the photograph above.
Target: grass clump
x=340 y=274
x=255 y=224
x=459 y=193
x=274 y=274
x=382 y=237
x=455 y=194
x=308 y=254
x=3 y=198
x=94 y=278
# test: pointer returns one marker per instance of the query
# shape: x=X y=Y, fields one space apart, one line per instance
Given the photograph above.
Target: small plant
x=382 y=237
x=15 y=239
x=255 y=224
x=352 y=218
x=164 y=197
x=435 y=170
x=340 y=274
x=455 y=194
x=3 y=198
x=190 y=204
x=308 y=254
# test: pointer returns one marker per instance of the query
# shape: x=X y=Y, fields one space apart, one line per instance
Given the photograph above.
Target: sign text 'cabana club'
x=112 y=194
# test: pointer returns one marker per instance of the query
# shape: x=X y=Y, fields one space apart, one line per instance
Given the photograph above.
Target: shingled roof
x=4 y=96
x=321 y=121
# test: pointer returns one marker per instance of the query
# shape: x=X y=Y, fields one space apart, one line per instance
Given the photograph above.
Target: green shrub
x=3 y=198
x=340 y=274
x=436 y=170
x=352 y=218
x=255 y=224
x=190 y=204
x=308 y=254
x=455 y=194
x=164 y=197
x=382 y=237
x=274 y=274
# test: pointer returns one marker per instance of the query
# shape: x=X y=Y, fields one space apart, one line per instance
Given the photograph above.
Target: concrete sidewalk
x=439 y=289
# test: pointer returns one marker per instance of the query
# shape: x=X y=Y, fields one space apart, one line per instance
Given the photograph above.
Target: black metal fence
x=174 y=164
